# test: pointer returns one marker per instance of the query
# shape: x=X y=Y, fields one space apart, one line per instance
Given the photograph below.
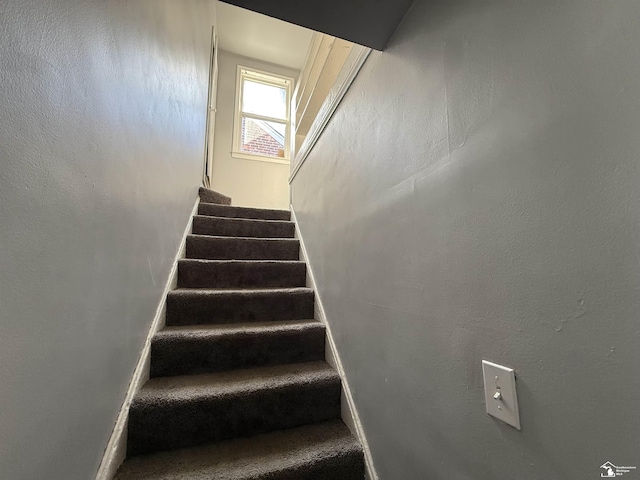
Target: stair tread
x=239 y=207
x=169 y=390
x=253 y=328
x=243 y=220
x=239 y=291
x=300 y=449
x=242 y=212
x=245 y=239
x=240 y=262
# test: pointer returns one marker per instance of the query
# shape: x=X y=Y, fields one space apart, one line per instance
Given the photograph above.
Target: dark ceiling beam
x=367 y=22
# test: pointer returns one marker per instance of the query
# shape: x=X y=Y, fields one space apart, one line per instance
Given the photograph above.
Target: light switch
x=500 y=393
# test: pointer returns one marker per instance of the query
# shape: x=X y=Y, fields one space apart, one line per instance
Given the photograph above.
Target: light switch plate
x=500 y=393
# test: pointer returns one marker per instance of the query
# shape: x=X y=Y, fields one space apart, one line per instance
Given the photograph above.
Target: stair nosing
x=241 y=327
x=242 y=219
x=240 y=261
x=234 y=290
x=246 y=208
x=269 y=239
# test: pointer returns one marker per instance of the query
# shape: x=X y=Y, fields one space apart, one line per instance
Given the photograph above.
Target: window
x=262 y=125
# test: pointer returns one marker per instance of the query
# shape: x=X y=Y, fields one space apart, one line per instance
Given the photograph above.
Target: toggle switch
x=500 y=393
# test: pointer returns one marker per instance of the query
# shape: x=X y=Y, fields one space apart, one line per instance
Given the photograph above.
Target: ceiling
x=254 y=35
x=368 y=22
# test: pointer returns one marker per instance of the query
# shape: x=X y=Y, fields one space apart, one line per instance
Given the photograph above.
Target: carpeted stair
x=239 y=388
x=210 y=196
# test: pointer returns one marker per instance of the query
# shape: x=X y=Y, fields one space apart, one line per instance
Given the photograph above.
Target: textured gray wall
x=476 y=196
x=102 y=125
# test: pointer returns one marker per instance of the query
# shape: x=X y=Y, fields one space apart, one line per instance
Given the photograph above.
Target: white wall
x=102 y=124
x=476 y=196
x=249 y=183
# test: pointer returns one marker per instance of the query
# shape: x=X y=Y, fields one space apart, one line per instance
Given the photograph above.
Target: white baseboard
x=116 y=449
x=348 y=408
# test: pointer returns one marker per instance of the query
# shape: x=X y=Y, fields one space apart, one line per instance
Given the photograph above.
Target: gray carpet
x=210 y=348
x=230 y=248
x=324 y=451
x=240 y=389
x=197 y=273
x=242 y=227
x=202 y=306
x=242 y=212
x=210 y=196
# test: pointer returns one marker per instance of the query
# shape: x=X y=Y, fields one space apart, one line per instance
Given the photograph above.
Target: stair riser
x=188 y=356
x=230 y=227
x=241 y=275
x=242 y=249
x=343 y=467
x=239 y=212
x=183 y=424
x=233 y=308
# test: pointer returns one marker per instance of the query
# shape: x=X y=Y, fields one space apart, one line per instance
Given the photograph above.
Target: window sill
x=260 y=158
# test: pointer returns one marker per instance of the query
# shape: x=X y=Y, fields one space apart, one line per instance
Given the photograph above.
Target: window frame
x=267 y=78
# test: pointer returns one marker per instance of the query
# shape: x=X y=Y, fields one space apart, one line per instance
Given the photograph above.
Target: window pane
x=262 y=138
x=262 y=99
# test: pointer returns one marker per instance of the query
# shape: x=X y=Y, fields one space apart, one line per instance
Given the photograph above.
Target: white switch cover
x=500 y=393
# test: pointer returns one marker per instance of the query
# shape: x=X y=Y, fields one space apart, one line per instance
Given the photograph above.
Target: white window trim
x=283 y=81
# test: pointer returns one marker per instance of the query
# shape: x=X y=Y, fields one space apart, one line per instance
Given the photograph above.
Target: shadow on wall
x=499 y=222
x=101 y=134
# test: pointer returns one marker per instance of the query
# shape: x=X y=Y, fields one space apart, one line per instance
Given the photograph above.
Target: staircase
x=239 y=387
